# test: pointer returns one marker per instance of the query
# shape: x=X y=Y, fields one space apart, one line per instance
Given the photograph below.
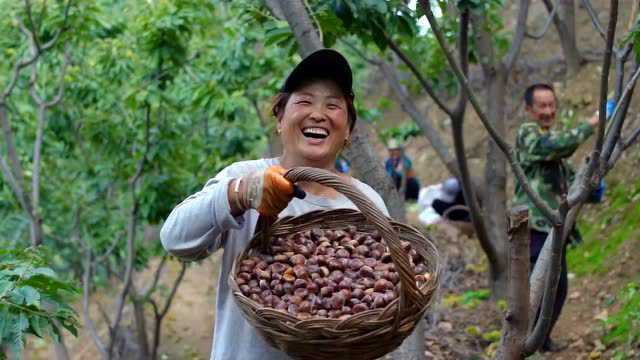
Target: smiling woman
x=316 y=116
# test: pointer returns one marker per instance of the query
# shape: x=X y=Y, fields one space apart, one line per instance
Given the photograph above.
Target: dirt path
x=589 y=303
x=188 y=330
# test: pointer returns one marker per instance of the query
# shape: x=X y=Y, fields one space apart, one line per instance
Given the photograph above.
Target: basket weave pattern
x=366 y=335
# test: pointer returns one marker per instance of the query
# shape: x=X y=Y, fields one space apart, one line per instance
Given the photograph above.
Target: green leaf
x=22 y=323
x=31 y=296
x=16 y=297
x=5 y=285
x=38 y=324
x=44 y=271
x=4 y=323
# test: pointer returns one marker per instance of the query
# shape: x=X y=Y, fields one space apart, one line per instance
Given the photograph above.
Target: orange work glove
x=268 y=191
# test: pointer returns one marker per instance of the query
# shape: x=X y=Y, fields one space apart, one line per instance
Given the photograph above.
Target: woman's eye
x=304 y=102
x=333 y=106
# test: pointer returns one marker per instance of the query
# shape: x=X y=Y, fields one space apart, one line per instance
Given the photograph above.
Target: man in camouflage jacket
x=542 y=151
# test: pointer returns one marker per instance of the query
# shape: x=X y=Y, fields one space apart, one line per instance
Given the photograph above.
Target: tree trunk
x=276 y=9
x=368 y=167
x=36 y=229
x=299 y=20
x=496 y=182
x=514 y=330
x=564 y=22
x=141 y=328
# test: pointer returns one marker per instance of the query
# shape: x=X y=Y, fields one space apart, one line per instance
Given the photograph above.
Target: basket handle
x=371 y=213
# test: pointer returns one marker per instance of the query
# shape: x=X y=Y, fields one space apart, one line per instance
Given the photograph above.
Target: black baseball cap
x=322 y=64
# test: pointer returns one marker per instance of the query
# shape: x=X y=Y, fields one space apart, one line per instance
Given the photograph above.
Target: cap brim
x=321 y=64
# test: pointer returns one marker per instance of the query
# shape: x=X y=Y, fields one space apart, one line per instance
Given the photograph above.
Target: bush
x=32 y=299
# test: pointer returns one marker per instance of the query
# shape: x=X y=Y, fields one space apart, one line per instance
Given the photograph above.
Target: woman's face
x=314 y=125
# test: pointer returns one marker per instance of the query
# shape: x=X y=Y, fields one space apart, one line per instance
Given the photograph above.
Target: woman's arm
x=200 y=224
x=196 y=227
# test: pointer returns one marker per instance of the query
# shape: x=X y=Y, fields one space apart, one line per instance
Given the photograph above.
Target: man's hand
x=594 y=120
x=266 y=191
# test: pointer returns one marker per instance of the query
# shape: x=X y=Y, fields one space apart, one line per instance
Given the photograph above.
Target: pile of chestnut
x=326 y=273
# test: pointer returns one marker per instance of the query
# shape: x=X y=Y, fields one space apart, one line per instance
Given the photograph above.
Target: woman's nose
x=317 y=115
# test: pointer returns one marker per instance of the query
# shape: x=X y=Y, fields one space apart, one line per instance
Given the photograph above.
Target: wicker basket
x=366 y=335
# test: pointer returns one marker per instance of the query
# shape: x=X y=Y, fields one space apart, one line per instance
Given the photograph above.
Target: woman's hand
x=266 y=191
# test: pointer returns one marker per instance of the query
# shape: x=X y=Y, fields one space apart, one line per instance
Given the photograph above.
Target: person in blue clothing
x=342 y=165
x=400 y=168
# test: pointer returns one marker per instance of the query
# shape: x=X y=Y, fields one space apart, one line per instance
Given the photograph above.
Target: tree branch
x=463 y=54
x=541 y=329
x=58 y=97
x=484 y=45
x=423 y=82
x=109 y=251
x=159 y=316
x=174 y=289
x=131 y=230
x=21 y=64
x=411 y=109
x=360 y=53
x=516 y=42
x=619 y=115
x=631 y=139
x=622 y=146
x=504 y=147
x=156 y=277
x=604 y=83
x=15 y=187
x=32 y=24
x=457 y=123
x=594 y=19
x=621 y=59
x=86 y=293
x=546 y=26
x=12 y=154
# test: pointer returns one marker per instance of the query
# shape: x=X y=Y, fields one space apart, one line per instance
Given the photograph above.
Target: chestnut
x=299 y=283
x=357 y=308
x=297 y=259
x=302 y=292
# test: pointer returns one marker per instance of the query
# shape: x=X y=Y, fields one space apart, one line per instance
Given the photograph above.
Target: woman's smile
x=315 y=135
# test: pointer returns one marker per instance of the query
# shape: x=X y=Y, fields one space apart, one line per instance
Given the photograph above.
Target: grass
x=605 y=227
x=624 y=326
x=604 y=232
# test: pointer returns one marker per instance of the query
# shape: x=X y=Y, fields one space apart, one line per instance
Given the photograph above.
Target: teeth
x=316 y=130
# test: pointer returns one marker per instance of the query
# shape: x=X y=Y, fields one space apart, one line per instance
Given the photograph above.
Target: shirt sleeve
x=536 y=145
x=197 y=226
x=408 y=165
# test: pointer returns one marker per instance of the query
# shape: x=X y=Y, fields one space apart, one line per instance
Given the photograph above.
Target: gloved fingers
x=275 y=180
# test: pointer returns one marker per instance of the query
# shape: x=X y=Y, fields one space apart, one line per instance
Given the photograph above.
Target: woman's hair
x=281 y=99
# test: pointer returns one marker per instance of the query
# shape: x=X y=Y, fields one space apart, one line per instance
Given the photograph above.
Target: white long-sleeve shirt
x=203 y=223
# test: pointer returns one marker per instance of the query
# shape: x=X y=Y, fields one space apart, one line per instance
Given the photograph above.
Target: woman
x=316 y=116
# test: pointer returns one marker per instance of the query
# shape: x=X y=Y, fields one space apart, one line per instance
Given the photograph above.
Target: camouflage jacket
x=542 y=154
